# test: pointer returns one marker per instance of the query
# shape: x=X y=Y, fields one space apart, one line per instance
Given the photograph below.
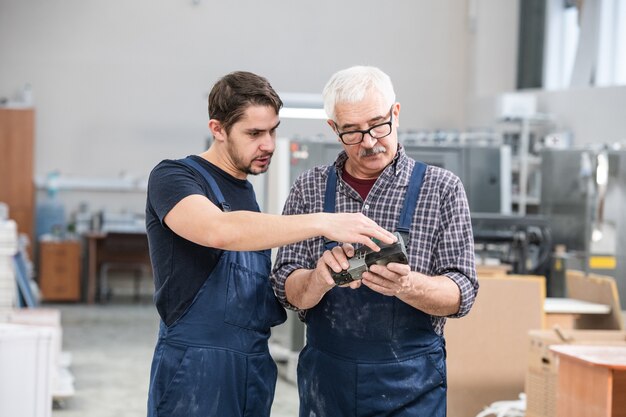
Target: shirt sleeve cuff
x=280 y=276
x=467 y=293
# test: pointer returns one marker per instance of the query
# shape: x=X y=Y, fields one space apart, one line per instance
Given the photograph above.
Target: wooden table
x=115 y=248
x=592 y=381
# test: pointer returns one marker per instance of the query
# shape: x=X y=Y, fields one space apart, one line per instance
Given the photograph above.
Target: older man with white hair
x=375 y=346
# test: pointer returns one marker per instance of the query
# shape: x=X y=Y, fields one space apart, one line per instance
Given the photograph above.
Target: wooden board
x=17 y=188
x=596 y=289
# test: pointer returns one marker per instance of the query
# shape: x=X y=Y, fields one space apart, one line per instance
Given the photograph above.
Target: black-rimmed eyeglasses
x=354 y=137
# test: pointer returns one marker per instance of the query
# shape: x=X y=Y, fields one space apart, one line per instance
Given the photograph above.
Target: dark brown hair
x=233 y=93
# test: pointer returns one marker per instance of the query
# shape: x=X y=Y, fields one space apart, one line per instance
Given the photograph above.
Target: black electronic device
x=365 y=257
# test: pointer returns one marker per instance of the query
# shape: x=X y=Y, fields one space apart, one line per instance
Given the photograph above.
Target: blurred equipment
x=125 y=222
x=484 y=170
x=524 y=242
x=50 y=213
x=526 y=134
x=583 y=195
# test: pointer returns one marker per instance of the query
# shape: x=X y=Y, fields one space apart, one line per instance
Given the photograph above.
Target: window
x=560 y=44
x=584 y=43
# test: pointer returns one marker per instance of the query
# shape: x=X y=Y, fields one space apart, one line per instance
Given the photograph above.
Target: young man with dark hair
x=209 y=250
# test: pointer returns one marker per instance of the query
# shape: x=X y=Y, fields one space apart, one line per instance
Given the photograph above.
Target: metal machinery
x=583 y=195
x=524 y=242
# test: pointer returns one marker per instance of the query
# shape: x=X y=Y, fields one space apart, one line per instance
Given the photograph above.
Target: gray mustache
x=375 y=150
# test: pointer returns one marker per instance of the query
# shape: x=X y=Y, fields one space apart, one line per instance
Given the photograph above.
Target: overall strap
x=329 y=200
x=410 y=200
x=210 y=180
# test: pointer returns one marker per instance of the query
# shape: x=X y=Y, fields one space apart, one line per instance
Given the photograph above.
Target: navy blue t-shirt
x=180 y=266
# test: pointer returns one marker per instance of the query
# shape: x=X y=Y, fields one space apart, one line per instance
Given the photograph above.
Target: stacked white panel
x=62 y=379
x=8 y=249
x=26 y=365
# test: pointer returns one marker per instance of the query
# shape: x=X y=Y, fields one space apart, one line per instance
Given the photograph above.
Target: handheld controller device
x=365 y=257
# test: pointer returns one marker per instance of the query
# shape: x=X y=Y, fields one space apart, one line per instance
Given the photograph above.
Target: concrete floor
x=111 y=347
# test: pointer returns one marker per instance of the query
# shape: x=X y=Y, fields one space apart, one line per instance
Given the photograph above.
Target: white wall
x=492 y=44
x=120 y=85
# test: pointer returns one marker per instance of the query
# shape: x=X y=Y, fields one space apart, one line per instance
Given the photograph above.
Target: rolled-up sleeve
x=455 y=251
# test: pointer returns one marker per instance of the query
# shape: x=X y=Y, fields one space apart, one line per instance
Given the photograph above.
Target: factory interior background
x=524 y=100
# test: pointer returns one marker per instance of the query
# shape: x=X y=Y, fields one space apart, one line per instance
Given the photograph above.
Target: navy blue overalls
x=214 y=360
x=368 y=354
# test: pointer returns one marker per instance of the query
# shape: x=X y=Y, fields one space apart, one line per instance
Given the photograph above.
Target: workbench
x=113 y=249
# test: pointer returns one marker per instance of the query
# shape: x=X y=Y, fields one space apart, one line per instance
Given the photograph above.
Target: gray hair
x=351 y=84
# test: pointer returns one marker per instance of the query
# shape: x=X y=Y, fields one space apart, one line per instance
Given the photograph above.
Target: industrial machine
x=524 y=242
x=583 y=194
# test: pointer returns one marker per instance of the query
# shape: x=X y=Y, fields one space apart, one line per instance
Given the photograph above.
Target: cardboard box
x=487 y=349
x=498 y=271
x=601 y=289
x=542 y=374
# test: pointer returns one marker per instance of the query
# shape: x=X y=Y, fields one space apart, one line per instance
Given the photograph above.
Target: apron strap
x=410 y=200
x=210 y=180
x=329 y=201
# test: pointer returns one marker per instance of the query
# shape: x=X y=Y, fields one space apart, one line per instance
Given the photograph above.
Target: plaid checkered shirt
x=440 y=240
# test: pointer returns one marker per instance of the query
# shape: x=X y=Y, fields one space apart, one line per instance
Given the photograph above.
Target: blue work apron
x=214 y=360
x=368 y=354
